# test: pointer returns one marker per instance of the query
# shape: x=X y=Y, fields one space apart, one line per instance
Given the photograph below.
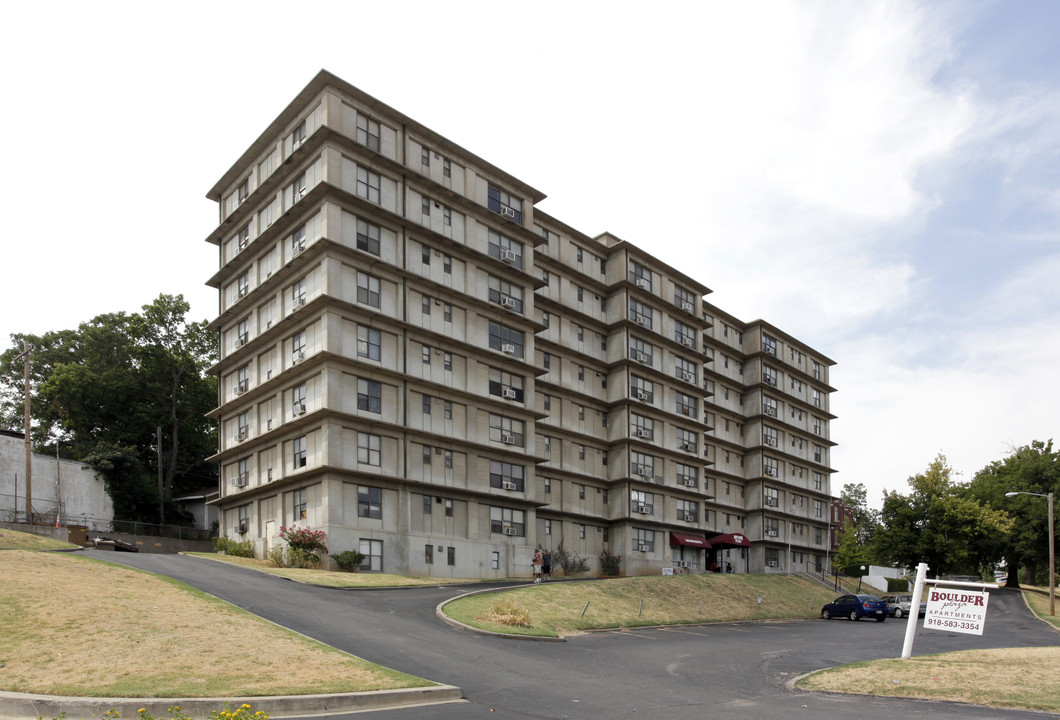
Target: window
x=369 y=502
x=506 y=205
x=640 y=314
x=578 y=254
x=546 y=361
x=368 y=449
x=769 y=406
x=641 y=351
x=506 y=385
x=643 y=540
x=243 y=191
x=640 y=276
x=447 y=262
x=506 y=476
x=641 y=389
x=769 y=345
x=298 y=504
x=426 y=404
x=505 y=249
x=425 y=304
x=368 y=185
x=818 y=371
x=447 y=312
x=769 y=375
x=580 y=293
x=428 y=551
x=450 y=555
x=447 y=168
x=368 y=235
x=243 y=237
x=643 y=428
x=581 y=377
x=770 y=468
x=242 y=285
x=687 y=475
x=548 y=527
x=243 y=425
x=506 y=430
x=817 y=398
x=367 y=289
x=296 y=190
x=298 y=293
x=770 y=526
x=242 y=472
x=684 y=334
x=818 y=453
x=687 y=511
x=508 y=521
x=506 y=339
x=298 y=452
x=684 y=300
x=685 y=404
x=242 y=332
x=686 y=440
x=770 y=436
x=642 y=465
x=425 y=354
x=369 y=396
x=427 y=506
x=373 y=555
x=243 y=379
x=368 y=132
x=368 y=342
x=503 y=293
x=425 y=156
x=447 y=361
x=581 y=531
x=818 y=481
x=684 y=369
x=298 y=240
x=817 y=424
x=298 y=393
x=817 y=536
x=298 y=136
x=425 y=209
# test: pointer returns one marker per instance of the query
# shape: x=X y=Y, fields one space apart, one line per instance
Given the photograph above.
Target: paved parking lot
x=723 y=671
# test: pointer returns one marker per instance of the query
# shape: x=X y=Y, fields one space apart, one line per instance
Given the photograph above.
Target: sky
x=881 y=180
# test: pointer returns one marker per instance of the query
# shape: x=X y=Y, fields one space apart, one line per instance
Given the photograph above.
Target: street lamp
x=862 y=575
x=1052 y=561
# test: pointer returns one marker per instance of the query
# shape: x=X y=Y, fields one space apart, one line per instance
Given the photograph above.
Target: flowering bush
x=610 y=562
x=303 y=544
x=175 y=713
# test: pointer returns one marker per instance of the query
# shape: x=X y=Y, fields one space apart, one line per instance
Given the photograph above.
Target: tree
x=866 y=520
x=850 y=552
x=102 y=390
x=937 y=524
x=1033 y=468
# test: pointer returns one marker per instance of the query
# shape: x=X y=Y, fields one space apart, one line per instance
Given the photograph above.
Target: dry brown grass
x=74 y=626
x=505 y=612
x=1006 y=678
x=15 y=540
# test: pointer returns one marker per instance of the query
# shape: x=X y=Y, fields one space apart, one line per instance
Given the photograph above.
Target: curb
x=439 y=612
x=23 y=706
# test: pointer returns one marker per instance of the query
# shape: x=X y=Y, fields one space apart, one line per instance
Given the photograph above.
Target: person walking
x=536 y=562
x=546 y=565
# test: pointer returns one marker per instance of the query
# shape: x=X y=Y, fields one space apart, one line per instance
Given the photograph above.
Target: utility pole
x=25 y=429
x=161 y=494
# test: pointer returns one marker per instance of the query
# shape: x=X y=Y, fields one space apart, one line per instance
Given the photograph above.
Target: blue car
x=856 y=607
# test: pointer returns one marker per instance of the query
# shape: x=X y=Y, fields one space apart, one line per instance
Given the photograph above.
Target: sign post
x=955 y=611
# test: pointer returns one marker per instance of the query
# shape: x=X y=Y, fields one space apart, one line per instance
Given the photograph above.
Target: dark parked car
x=856 y=607
x=902 y=605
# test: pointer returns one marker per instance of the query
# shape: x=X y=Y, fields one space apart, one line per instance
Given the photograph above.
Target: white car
x=901 y=605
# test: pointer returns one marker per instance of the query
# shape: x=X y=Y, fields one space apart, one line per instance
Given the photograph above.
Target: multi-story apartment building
x=418 y=361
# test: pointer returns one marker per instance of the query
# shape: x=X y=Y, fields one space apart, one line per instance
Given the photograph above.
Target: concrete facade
x=63 y=486
x=419 y=362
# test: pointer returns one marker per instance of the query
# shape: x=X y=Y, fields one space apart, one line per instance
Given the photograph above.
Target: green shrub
x=610 y=562
x=349 y=560
x=293 y=557
x=570 y=562
x=229 y=546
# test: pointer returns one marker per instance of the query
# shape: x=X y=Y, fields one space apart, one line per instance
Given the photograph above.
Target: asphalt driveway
x=710 y=671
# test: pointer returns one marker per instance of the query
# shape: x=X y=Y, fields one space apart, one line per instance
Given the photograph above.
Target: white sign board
x=956 y=610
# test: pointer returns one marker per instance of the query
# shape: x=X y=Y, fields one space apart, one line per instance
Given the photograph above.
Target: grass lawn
x=15 y=540
x=557 y=608
x=332 y=578
x=77 y=626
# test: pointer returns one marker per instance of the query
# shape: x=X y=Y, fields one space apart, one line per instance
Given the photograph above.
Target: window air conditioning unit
x=771 y=501
x=508 y=256
x=640 y=357
x=509 y=485
x=642 y=470
x=242 y=529
x=645 y=509
x=298 y=302
x=688 y=447
x=641 y=395
x=688 y=377
x=298 y=409
x=771 y=533
x=508 y=302
x=642 y=433
x=297 y=357
x=642 y=547
x=241 y=292
x=687 y=307
x=509 y=531
x=688 y=482
x=508 y=349
x=239 y=480
x=771 y=441
x=772 y=563
x=297 y=249
x=507 y=439
x=689 y=517
x=641 y=320
x=508 y=393
x=687 y=342
x=241 y=341
x=680 y=563
x=241 y=388
x=508 y=212
x=241 y=437
x=643 y=283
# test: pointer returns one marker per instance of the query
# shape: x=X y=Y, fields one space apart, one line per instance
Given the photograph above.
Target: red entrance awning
x=730 y=540
x=678 y=538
